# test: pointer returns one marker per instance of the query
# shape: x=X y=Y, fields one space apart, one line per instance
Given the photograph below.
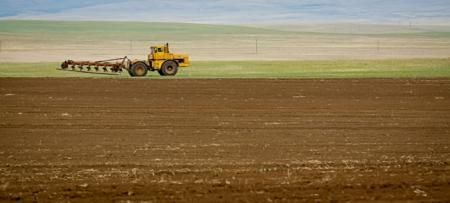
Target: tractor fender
x=175 y=61
x=178 y=64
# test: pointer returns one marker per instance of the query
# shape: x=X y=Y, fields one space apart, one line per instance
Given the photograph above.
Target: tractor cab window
x=159 y=49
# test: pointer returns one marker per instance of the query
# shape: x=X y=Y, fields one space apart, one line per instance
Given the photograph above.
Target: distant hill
x=234 y=11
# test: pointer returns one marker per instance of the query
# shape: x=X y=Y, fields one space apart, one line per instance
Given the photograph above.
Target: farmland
x=224 y=140
x=264 y=114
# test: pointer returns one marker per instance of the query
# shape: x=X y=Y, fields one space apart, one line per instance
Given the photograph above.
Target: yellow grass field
x=53 y=41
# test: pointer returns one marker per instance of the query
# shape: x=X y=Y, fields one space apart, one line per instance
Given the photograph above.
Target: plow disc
x=110 y=66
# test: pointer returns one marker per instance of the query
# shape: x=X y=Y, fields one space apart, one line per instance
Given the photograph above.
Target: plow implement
x=110 y=66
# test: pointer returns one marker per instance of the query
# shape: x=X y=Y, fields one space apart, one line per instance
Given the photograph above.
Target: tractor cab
x=159 y=52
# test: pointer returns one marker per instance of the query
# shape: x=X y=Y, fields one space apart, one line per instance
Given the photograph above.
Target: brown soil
x=224 y=140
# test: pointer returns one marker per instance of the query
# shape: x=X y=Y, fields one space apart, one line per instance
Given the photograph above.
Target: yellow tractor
x=160 y=59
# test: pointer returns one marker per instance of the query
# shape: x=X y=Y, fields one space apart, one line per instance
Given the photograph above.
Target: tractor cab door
x=158 y=53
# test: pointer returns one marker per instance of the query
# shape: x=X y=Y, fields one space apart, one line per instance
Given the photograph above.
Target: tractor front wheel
x=138 y=69
x=169 y=68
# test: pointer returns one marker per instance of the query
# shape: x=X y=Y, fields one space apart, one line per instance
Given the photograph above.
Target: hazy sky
x=233 y=11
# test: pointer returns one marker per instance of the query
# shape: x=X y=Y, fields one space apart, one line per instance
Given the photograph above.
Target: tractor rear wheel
x=169 y=68
x=138 y=69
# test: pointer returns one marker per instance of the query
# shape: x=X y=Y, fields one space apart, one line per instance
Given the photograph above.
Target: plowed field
x=224 y=140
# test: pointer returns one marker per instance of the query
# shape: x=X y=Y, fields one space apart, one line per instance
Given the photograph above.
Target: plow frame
x=109 y=66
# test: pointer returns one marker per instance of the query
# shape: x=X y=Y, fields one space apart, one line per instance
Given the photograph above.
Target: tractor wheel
x=169 y=68
x=138 y=69
x=160 y=72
